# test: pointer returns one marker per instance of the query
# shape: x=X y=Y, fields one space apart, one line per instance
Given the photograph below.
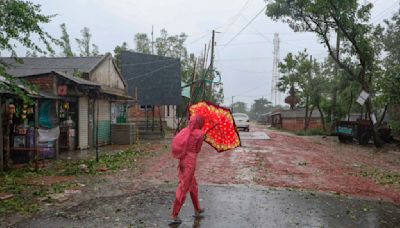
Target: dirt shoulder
x=324 y=164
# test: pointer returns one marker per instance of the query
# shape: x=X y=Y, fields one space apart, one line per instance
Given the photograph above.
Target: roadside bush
x=310 y=132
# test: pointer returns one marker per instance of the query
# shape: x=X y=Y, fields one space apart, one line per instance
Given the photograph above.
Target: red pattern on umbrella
x=219 y=125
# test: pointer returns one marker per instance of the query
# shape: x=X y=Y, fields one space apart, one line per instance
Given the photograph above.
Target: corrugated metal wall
x=83 y=125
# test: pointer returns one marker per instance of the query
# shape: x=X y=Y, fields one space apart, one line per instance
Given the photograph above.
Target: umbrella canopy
x=219 y=125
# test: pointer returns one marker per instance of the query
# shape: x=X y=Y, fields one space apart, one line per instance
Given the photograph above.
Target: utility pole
x=152 y=39
x=212 y=51
x=212 y=60
x=203 y=80
x=232 y=103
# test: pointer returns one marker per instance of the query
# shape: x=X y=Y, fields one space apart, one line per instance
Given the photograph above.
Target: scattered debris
x=84 y=168
x=50 y=180
x=5 y=196
x=103 y=169
x=303 y=163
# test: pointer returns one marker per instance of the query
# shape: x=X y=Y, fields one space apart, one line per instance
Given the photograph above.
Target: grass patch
x=383 y=177
x=27 y=195
x=116 y=161
x=310 y=132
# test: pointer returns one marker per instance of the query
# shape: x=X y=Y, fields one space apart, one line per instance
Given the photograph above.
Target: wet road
x=258 y=135
x=226 y=206
x=250 y=203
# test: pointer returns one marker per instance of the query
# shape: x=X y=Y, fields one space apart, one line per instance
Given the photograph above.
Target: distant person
x=185 y=147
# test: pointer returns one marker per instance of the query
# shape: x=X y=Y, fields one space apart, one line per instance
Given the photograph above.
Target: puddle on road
x=249 y=149
x=226 y=206
x=258 y=135
x=246 y=173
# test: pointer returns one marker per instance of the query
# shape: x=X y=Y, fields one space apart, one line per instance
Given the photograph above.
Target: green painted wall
x=104 y=132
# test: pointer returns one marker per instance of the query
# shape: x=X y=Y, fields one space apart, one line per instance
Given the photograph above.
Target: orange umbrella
x=219 y=125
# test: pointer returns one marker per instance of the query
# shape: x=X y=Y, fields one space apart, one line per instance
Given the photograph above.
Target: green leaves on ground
x=28 y=194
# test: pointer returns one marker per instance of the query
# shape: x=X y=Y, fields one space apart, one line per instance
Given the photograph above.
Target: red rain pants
x=187 y=183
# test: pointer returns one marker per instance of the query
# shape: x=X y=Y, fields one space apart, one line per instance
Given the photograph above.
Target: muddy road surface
x=274 y=180
x=226 y=206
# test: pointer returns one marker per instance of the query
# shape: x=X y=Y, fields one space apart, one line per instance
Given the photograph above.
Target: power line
x=244 y=59
x=247 y=25
x=234 y=18
x=230 y=21
x=197 y=40
x=247 y=72
x=259 y=86
x=383 y=13
x=245 y=43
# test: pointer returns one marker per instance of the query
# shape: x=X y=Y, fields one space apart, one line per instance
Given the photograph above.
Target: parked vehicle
x=360 y=130
x=242 y=121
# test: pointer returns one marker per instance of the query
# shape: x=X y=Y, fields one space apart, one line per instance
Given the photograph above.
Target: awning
x=117 y=93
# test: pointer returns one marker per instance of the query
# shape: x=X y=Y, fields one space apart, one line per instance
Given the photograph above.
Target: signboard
x=373 y=118
x=62 y=90
x=363 y=97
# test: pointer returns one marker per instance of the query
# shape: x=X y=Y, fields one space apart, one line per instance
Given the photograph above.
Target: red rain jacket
x=192 y=138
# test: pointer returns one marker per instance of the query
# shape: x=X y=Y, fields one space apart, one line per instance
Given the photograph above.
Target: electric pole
x=152 y=39
x=212 y=61
x=232 y=103
x=212 y=51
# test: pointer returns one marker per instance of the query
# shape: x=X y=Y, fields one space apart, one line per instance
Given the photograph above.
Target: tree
x=19 y=21
x=239 y=107
x=390 y=82
x=117 y=53
x=299 y=76
x=65 y=42
x=85 y=47
x=32 y=54
x=260 y=106
x=171 y=46
x=142 y=42
x=349 y=19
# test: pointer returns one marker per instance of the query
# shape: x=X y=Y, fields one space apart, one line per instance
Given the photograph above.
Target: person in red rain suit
x=187 y=167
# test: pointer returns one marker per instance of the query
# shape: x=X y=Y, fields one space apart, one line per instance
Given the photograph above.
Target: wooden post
x=147 y=117
x=58 y=139
x=36 y=134
x=152 y=121
x=161 y=124
x=97 y=131
x=1 y=134
x=7 y=141
x=211 y=64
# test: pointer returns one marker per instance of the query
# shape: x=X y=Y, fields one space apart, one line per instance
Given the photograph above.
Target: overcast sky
x=245 y=64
